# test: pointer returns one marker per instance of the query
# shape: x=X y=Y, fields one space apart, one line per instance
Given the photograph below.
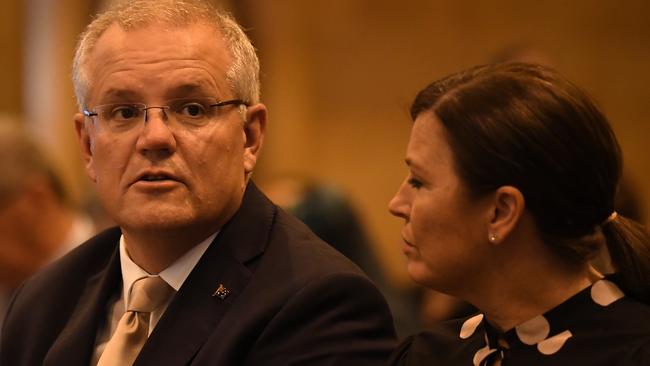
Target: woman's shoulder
x=623 y=318
x=623 y=329
x=441 y=345
x=639 y=356
x=598 y=332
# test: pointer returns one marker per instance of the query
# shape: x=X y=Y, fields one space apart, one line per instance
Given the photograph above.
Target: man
x=37 y=223
x=204 y=269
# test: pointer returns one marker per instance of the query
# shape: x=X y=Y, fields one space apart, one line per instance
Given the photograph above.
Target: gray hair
x=242 y=75
x=22 y=157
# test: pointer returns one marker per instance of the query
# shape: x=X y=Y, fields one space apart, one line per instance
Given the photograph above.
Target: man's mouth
x=155 y=178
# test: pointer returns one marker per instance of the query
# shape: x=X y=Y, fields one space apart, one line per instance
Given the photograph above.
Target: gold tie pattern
x=147 y=295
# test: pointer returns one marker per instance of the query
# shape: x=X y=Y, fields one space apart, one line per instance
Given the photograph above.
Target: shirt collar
x=175 y=275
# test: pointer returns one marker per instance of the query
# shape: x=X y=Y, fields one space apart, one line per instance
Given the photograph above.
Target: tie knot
x=148 y=294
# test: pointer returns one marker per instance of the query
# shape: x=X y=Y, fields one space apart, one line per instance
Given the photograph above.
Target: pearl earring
x=492 y=238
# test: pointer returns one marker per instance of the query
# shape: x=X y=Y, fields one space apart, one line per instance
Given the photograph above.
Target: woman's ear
x=507 y=210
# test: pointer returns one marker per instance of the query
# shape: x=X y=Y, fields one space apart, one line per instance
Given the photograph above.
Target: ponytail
x=628 y=243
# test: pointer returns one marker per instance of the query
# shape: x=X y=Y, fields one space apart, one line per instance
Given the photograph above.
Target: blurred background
x=338 y=77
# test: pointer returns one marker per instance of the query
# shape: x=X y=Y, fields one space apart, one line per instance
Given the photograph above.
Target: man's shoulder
x=294 y=243
x=297 y=264
x=307 y=303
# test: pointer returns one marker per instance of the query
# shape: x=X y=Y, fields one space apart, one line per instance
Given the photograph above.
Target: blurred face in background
x=17 y=254
x=445 y=232
x=29 y=231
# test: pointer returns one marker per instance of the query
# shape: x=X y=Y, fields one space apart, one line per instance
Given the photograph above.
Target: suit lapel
x=198 y=307
x=75 y=343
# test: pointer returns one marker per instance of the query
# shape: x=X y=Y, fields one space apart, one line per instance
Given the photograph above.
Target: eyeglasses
x=186 y=112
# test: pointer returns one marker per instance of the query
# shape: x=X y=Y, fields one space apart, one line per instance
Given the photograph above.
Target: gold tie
x=147 y=295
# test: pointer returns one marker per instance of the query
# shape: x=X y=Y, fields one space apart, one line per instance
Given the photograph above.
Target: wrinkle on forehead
x=196 y=55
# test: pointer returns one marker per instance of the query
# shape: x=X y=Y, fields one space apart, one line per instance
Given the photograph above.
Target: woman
x=510 y=195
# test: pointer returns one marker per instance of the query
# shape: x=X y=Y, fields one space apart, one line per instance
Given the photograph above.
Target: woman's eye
x=414 y=183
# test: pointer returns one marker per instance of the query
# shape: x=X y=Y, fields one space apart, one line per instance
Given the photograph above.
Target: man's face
x=162 y=176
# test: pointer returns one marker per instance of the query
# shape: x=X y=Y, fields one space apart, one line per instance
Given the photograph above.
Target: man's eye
x=192 y=110
x=414 y=183
x=122 y=113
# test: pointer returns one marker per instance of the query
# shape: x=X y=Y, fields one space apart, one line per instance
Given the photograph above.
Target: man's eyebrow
x=189 y=88
x=119 y=94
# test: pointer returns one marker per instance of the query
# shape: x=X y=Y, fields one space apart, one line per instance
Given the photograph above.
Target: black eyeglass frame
x=88 y=113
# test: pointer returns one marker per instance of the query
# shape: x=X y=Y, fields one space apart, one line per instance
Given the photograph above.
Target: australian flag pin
x=221 y=292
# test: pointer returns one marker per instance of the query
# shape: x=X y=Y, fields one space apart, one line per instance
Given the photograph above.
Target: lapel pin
x=221 y=292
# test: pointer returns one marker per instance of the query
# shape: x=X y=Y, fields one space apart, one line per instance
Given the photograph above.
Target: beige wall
x=10 y=63
x=50 y=30
x=339 y=75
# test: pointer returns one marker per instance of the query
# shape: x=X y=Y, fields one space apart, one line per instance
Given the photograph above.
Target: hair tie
x=610 y=218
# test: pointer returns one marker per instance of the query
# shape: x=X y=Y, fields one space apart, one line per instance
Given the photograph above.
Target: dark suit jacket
x=293 y=301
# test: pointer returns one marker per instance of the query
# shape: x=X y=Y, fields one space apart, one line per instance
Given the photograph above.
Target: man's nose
x=156 y=136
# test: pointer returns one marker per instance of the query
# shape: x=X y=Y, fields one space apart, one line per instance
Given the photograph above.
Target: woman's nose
x=398 y=205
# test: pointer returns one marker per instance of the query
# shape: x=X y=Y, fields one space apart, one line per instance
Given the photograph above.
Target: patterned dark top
x=598 y=326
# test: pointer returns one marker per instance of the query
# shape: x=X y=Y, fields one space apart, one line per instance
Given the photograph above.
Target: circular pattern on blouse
x=470 y=325
x=534 y=330
x=481 y=354
x=551 y=345
x=605 y=292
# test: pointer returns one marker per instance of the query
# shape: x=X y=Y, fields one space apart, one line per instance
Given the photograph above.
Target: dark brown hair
x=526 y=126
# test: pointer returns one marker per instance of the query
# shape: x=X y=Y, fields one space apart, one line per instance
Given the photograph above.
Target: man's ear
x=85 y=144
x=507 y=210
x=254 y=128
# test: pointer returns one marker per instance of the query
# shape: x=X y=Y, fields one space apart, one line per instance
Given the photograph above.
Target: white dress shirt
x=174 y=275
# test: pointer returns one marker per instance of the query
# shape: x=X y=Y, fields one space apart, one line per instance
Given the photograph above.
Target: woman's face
x=445 y=233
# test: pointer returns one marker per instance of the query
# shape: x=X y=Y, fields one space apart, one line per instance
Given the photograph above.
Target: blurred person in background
x=513 y=173
x=37 y=221
x=202 y=269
